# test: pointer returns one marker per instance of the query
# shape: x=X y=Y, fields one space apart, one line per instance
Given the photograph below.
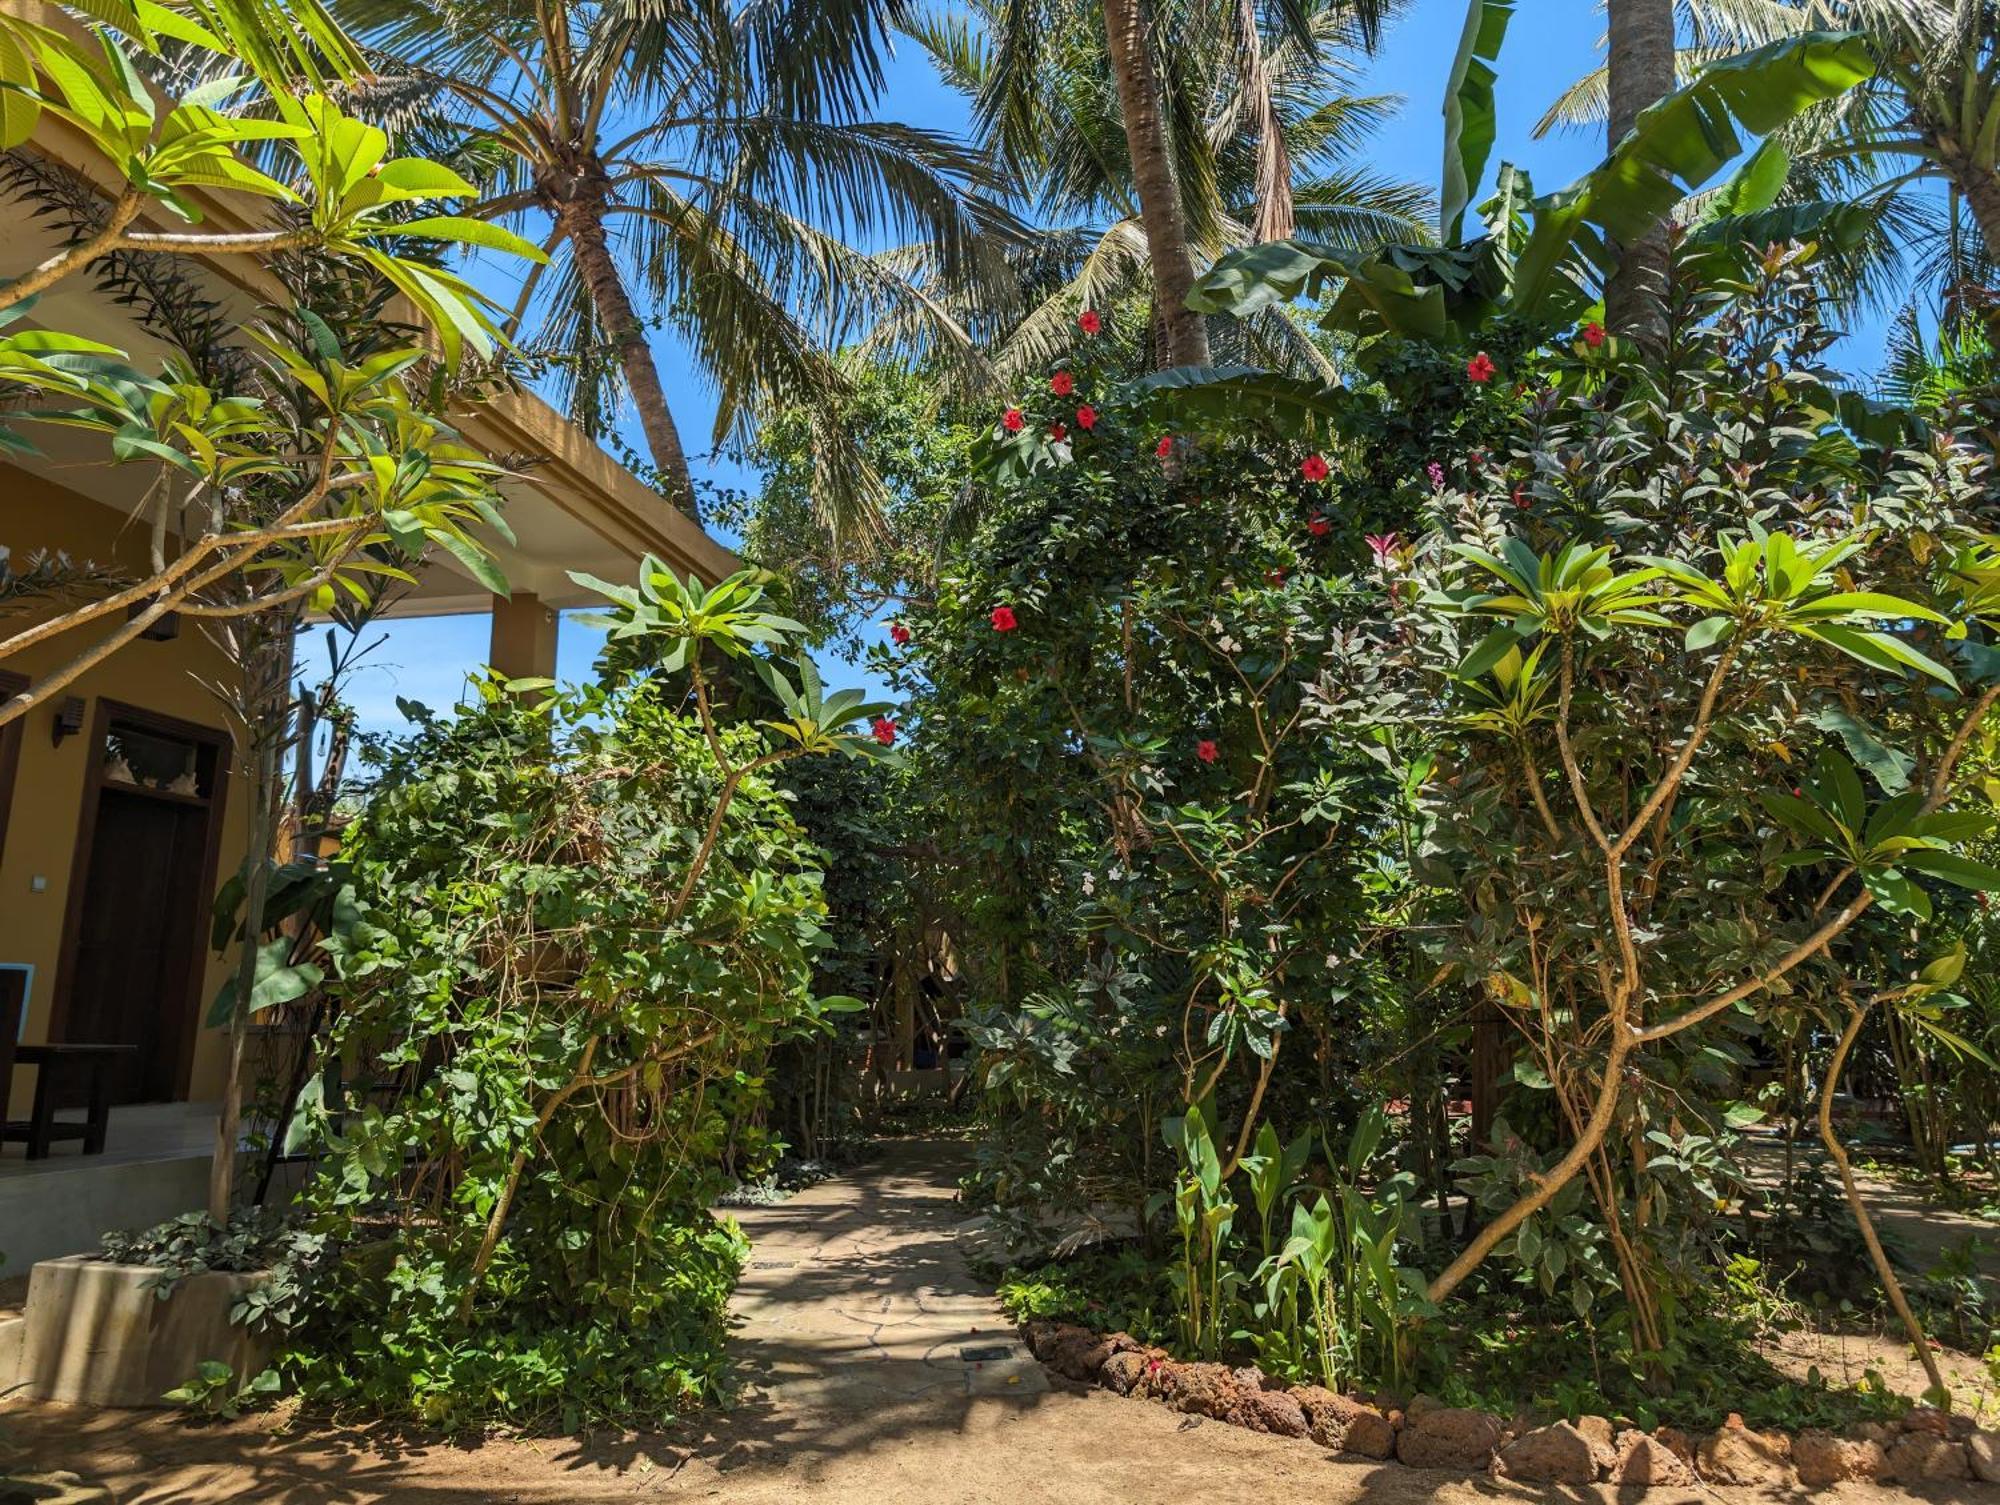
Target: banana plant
x=1535 y=262
x=1307 y=1260
x=1204 y=1213
x=1271 y=1168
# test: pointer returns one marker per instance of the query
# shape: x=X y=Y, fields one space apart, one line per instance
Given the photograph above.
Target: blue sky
x=1552 y=43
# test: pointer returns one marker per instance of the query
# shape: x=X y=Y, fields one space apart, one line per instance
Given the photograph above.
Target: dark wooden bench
x=66 y=1076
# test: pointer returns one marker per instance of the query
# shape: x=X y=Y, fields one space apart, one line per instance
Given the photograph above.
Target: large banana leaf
x=1303 y=408
x=1674 y=148
x=1470 y=119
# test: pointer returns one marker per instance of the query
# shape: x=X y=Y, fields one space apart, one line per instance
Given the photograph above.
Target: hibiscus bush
x=1553 y=725
x=1163 y=846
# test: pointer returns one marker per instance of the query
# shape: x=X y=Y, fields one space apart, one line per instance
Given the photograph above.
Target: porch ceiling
x=571 y=506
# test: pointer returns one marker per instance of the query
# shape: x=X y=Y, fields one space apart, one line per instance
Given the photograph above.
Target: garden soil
x=878 y=1371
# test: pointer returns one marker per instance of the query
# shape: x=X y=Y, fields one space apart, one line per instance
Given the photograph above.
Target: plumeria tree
x=257 y=506
x=1661 y=652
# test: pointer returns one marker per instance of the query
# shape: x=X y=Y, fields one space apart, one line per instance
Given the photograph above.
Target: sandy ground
x=880 y=1373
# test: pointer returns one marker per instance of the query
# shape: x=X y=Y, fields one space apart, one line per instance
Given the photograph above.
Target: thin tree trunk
x=582 y=223
x=1890 y=1285
x=266 y=725
x=1160 y=211
x=1557 y=1176
x=1641 y=72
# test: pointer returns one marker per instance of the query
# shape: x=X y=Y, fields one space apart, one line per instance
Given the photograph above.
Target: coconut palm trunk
x=1641 y=72
x=1979 y=185
x=581 y=219
x=1184 y=333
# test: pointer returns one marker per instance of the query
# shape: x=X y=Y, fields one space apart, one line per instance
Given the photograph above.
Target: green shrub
x=567 y=925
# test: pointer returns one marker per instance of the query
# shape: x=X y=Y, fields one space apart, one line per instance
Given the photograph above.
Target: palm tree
x=1931 y=114
x=1129 y=45
x=702 y=164
x=1640 y=70
x=1139 y=55
x=1263 y=135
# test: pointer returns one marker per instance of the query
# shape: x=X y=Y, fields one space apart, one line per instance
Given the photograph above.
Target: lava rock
x=1737 y=1455
x=1200 y=1389
x=1822 y=1458
x=1077 y=1353
x=1123 y=1371
x=1642 y=1460
x=1926 y=1458
x=1558 y=1454
x=1677 y=1442
x=1602 y=1436
x=1982 y=1452
x=1437 y=1436
x=1927 y=1419
x=1345 y=1424
x=1250 y=1377
x=1271 y=1411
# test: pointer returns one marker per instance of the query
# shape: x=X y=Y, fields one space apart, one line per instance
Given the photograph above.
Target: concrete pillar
x=524 y=637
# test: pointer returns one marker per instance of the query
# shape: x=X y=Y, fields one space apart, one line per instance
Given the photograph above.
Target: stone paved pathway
x=857 y=1296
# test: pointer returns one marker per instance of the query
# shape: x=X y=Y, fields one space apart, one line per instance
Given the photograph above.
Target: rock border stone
x=1925 y=1447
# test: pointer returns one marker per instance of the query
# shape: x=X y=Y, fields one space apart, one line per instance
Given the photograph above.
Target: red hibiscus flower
x=899 y=634
x=1480 y=368
x=1593 y=334
x=1089 y=322
x=1205 y=749
x=1062 y=384
x=1165 y=447
x=1319 y=527
x=884 y=731
x=1315 y=468
x=1012 y=420
x=1003 y=619
x=1058 y=432
x=1086 y=417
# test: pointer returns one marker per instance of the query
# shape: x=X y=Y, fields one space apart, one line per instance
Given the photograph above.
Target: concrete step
x=13 y=1343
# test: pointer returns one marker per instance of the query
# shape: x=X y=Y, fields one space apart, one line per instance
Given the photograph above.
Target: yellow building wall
x=47 y=800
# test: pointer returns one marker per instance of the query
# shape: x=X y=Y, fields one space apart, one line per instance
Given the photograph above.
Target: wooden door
x=135 y=939
x=139 y=924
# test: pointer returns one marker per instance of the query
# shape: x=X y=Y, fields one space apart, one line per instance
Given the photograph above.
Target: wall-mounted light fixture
x=69 y=717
